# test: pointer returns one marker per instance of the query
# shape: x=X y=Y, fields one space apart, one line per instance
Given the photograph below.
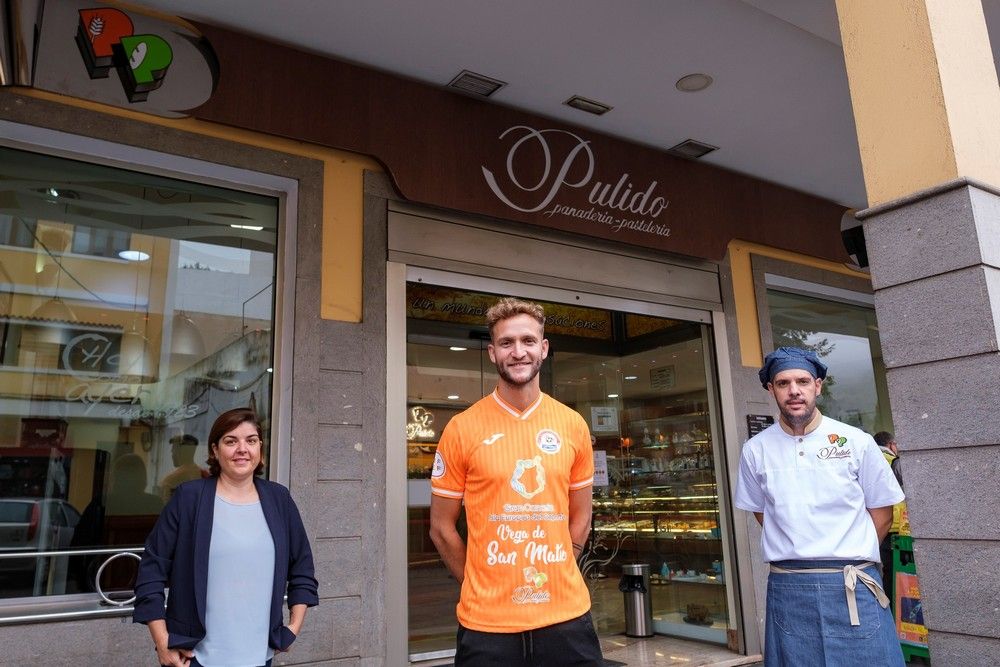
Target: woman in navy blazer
x=178 y=550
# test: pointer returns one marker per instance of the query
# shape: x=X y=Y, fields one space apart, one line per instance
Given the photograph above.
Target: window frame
x=106 y=153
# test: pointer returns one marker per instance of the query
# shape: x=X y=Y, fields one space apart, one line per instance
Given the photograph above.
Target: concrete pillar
x=926 y=100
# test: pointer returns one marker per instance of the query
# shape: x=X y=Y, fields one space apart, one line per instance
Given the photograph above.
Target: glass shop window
x=134 y=309
x=846 y=338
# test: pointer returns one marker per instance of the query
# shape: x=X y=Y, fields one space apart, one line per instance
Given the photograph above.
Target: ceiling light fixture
x=133 y=255
x=691 y=149
x=612 y=395
x=590 y=106
x=453 y=397
x=476 y=84
x=631 y=377
x=252 y=228
x=693 y=83
x=456 y=348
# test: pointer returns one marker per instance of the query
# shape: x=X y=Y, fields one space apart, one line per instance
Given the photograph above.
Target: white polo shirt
x=814 y=491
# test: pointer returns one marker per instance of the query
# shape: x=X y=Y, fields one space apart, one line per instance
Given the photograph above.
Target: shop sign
x=419 y=425
x=124 y=57
x=570 y=163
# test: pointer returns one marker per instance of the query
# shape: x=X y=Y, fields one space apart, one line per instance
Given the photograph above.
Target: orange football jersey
x=514 y=471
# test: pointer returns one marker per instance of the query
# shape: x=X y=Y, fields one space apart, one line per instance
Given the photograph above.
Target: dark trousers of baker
x=572 y=643
x=812 y=622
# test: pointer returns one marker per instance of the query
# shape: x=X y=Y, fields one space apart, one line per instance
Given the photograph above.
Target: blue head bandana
x=785 y=358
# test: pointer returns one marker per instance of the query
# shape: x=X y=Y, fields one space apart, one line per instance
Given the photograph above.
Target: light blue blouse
x=240 y=578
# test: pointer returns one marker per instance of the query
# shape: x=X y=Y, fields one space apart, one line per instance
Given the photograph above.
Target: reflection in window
x=846 y=338
x=17 y=232
x=138 y=315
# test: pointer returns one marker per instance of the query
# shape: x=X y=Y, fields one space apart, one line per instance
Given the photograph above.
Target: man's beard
x=505 y=374
x=799 y=419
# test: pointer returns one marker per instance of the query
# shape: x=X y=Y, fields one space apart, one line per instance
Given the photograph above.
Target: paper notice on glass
x=600 y=467
x=603 y=419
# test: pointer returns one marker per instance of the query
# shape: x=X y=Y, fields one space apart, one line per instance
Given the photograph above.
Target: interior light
x=631 y=377
x=453 y=397
x=53 y=192
x=270 y=370
x=456 y=348
x=133 y=255
x=693 y=83
x=252 y=228
x=612 y=395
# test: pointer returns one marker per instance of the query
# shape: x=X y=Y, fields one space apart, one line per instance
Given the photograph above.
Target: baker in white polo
x=823 y=494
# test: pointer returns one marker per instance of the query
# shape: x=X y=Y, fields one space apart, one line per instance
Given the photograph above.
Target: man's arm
x=760 y=518
x=882 y=518
x=581 y=504
x=444 y=514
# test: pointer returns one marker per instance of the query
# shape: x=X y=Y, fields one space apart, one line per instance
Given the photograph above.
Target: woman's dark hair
x=225 y=423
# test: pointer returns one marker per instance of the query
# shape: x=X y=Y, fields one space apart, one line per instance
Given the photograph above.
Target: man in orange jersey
x=523 y=464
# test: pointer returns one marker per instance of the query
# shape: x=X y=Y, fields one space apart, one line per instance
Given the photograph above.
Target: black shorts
x=572 y=643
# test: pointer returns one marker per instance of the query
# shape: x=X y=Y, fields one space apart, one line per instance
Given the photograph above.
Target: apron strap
x=852 y=573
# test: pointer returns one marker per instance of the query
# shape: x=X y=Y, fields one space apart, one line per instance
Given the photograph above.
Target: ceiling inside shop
x=779 y=106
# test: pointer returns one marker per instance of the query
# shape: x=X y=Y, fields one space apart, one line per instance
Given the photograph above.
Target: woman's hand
x=170 y=657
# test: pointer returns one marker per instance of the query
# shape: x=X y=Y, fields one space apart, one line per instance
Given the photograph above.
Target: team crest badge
x=548 y=441
x=438 y=470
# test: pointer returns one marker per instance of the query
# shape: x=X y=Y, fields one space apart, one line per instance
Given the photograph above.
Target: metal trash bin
x=634 y=585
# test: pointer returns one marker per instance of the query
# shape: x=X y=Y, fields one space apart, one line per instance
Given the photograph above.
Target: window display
x=133 y=310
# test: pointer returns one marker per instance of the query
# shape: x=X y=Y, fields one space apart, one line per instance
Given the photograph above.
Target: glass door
x=642 y=384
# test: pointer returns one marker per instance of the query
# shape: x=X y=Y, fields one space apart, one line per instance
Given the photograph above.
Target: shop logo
x=567 y=162
x=548 y=441
x=531 y=592
x=104 y=37
x=835 y=450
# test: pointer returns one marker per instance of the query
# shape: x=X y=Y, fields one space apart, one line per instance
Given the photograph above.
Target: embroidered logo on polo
x=548 y=441
x=493 y=438
x=520 y=472
x=836 y=450
x=439 y=468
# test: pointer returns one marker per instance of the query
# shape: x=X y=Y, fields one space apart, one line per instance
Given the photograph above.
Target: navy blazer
x=176 y=556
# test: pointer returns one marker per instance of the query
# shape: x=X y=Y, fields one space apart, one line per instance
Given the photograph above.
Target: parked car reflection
x=30 y=525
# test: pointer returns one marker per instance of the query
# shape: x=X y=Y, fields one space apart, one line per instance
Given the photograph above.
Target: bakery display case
x=661 y=507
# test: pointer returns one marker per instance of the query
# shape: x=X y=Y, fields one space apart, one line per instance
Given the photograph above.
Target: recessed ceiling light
x=133 y=255
x=456 y=348
x=631 y=377
x=252 y=228
x=453 y=397
x=612 y=395
x=590 y=106
x=693 y=83
x=692 y=149
x=476 y=84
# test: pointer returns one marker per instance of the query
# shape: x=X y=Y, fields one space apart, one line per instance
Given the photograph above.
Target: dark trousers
x=572 y=643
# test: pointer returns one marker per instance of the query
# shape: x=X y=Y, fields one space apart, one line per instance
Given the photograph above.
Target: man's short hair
x=883 y=438
x=509 y=307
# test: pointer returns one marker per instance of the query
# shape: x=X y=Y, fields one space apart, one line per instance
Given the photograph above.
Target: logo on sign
x=568 y=162
x=105 y=38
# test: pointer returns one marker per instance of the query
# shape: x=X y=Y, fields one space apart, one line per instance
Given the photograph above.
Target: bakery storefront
x=165 y=258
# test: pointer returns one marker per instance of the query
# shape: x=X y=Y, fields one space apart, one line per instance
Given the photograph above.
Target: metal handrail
x=70 y=552
x=100 y=571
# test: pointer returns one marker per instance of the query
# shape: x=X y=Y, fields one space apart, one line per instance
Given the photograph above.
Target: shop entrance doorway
x=646 y=387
